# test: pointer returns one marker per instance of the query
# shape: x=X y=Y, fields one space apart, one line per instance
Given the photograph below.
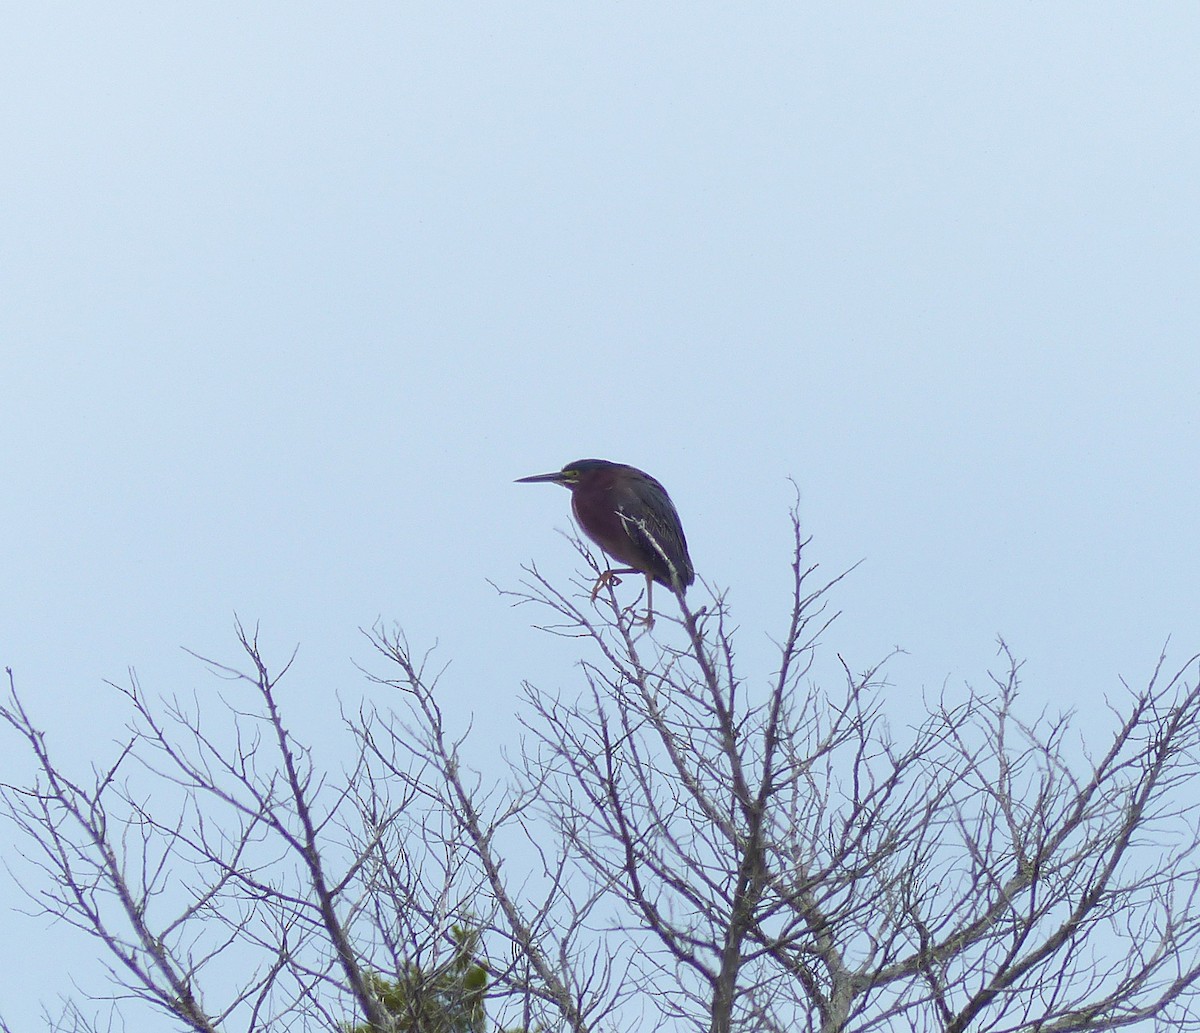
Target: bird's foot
x=605 y=579
x=646 y=621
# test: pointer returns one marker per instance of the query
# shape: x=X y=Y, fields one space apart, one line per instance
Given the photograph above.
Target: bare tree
x=677 y=846
x=233 y=885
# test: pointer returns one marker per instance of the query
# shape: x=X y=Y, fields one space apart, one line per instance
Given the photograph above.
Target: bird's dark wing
x=653 y=526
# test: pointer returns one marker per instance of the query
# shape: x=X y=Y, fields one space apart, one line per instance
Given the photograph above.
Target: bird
x=631 y=517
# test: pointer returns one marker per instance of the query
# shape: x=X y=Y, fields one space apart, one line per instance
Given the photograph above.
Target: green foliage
x=449 y=999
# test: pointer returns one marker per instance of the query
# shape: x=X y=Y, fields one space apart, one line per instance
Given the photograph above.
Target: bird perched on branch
x=631 y=517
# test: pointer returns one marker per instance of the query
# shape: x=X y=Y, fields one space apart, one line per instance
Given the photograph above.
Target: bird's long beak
x=552 y=478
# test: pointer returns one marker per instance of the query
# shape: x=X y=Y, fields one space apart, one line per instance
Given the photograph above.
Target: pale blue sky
x=291 y=293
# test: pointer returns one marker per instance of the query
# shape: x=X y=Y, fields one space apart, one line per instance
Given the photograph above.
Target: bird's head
x=571 y=475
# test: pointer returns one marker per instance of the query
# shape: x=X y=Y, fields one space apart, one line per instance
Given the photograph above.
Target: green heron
x=631 y=517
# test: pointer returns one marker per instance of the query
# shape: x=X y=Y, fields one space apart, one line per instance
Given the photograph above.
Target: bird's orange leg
x=648 y=620
x=611 y=577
